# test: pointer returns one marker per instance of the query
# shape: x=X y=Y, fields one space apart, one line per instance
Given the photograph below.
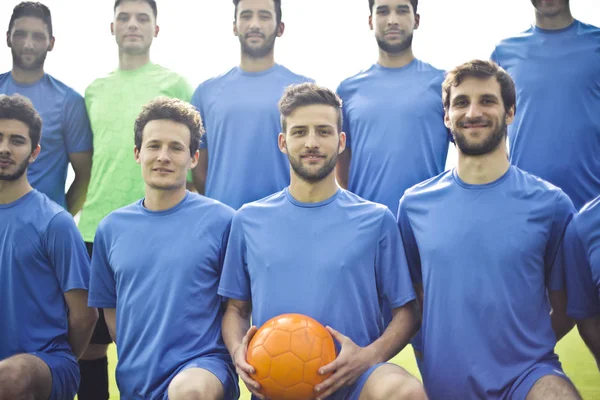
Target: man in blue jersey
x=393 y=114
x=319 y=250
x=160 y=301
x=239 y=160
x=556 y=134
x=581 y=252
x=45 y=323
x=481 y=242
x=66 y=136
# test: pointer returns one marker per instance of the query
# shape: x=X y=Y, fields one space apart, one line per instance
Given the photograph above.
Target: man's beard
x=395 y=48
x=36 y=64
x=313 y=177
x=490 y=144
x=21 y=169
x=258 y=52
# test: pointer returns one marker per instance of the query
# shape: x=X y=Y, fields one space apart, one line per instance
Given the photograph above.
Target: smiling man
x=113 y=103
x=239 y=160
x=481 y=242
x=319 y=250
x=66 y=137
x=156 y=267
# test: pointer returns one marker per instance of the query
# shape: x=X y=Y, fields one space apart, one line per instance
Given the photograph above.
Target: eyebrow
x=14 y=135
x=306 y=126
x=123 y=13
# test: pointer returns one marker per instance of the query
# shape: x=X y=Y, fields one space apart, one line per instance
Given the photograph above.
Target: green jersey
x=113 y=103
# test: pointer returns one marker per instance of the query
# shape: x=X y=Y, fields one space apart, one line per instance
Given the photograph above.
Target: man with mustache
x=45 y=322
x=67 y=138
x=555 y=65
x=319 y=250
x=482 y=242
x=113 y=103
x=239 y=160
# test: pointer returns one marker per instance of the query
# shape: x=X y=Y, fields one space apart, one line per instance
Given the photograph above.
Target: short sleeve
x=103 y=286
x=582 y=294
x=182 y=90
x=554 y=268
x=494 y=56
x=76 y=125
x=410 y=244
x=67 y=253
x=235 y=280
x=345 y=117
x=393 y=278
x=197 y=102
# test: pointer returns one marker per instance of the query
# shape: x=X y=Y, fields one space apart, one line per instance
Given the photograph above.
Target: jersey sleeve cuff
x=233 y=295
x=578 y=314
x=101 y=304
x=403 y=301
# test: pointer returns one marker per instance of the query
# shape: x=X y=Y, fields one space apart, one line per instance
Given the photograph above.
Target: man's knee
x=24 y=376
x=195 y=384
x=392 y=382
x=94 y=351
x=551 y=387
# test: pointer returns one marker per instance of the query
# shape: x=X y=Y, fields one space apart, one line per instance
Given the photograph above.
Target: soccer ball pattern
x=286 y=353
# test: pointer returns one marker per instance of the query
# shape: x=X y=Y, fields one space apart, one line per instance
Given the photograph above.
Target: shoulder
x=352 y=81
x=212 y=207
x=120 y=217
x=292 y=76
x=263 y=206
x=510 y=42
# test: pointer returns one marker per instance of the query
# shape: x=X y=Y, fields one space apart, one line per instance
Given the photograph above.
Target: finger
x=250 y=383
x=330 y=385
x=250 y=333
x=242 y=364
x=336 y=335
x=331 y=367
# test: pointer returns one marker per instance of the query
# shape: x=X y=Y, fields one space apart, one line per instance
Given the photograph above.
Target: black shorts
x=101 y=334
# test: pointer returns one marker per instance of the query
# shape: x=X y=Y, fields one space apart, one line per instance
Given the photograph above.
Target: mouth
x=133 y=36
x=255 y=36
x=5 y=163
x=393 y=33
x=312 y=157
x=162 y=170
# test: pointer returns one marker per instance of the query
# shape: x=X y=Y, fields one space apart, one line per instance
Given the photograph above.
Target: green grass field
x=577 y=362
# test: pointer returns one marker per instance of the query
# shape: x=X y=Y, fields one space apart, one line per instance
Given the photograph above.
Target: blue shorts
x=65 y=374
x=223 y=370
x=352 y=392
x=549 y=366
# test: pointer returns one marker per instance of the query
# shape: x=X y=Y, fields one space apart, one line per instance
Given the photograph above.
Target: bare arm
x=237 y=333
x=82 y=166
x=82 y=320
x=343 y=168
x=561 y=322
x=110 y=316
x=199 y=173
x=589 y=330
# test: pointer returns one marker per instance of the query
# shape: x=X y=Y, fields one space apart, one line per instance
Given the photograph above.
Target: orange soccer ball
x=286 y=353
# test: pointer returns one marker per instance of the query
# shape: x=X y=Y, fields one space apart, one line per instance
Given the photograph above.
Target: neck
x=250 y=64
x=395 y=60
x=558 y=21
x=160 y=200
x=307 y=192
x=479 y=170
x=27 y=77
x=129 y=62
x=11 y=191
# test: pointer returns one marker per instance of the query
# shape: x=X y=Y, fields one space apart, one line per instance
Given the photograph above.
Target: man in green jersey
x=113 y=103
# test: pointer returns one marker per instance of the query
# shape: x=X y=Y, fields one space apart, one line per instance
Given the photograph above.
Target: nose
x=28 y=45
x=474 y=111
x=163 y=155
x=132 y=25
x=4 y=147
x=311 y=140
x=393 y=19
x=254 y=24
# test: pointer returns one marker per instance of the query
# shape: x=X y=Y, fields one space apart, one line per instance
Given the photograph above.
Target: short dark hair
x=31 y=9
x=414 y=3
x=151 y=3
x=277 y=9
x=480 y=69
x=172 y=109
x=21 y=108
x=307 y=94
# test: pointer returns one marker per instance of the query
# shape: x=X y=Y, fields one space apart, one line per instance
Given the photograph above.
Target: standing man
x=556 y=135
x=319 y=250
x=239 y=160
x=45 y=323
x=481 y=242
x=393 y=114
x=160 y=301
x=113 y=103
x=66 y=136
x=581 y=251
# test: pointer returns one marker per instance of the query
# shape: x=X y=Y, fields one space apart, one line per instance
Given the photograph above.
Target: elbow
x=84 y=321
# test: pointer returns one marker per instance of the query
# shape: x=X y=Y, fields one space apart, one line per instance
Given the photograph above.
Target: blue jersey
x=556 y=131
x=242 y=122
x=394 y=124
x=485 y=255
x=581 y=252
x=42 y=256
x=65 y=130
x=336 y=261
x=160 y=270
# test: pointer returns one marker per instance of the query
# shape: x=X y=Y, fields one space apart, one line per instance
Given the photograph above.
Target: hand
x=349 y=365
x=242 y=367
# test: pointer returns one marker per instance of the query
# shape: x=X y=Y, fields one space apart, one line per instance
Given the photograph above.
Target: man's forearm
x=589 y=330
x=405 y=323
x=76 y=195
x=234 y=328
x=80 y=332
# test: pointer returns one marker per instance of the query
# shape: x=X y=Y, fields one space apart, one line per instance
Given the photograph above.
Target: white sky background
x=327 y=40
